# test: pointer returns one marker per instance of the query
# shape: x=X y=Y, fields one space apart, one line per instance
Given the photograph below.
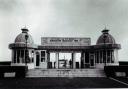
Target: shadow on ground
x=59 y=83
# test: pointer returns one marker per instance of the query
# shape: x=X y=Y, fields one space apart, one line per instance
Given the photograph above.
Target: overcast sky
x=65 y=18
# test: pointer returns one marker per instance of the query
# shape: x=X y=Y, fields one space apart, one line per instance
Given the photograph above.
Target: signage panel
x=65 y=41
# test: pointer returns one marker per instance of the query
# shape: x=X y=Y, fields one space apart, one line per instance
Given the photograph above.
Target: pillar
x=73 y=60
x=57 y=59
x=48 y=56
x=48 y=60
x=24 y=57
x=20 y=59
x=95 y=57
x=111 y=56
x=99 y=57
x=82 y=60
x=106 y=56
x=16 y=56
x=102 y=56
x=116 y=56
x=34 y=59
x=12 y=56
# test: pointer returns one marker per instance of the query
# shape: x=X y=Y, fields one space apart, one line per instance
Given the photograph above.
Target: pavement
x=62 y=83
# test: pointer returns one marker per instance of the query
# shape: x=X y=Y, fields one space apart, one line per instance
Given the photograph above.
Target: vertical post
x=102 y=56
x=73 y=60
x=20 y=59
x=16 y=56
x=99 y=57
x=116 y=56
x=111 y=56
x=106 y=56
x=12 y=56
x=95 y=56
x=84 y=60
x=48 y=60
x=80 y=60
x=24 y=57
x=57 y=59
x=48 y=56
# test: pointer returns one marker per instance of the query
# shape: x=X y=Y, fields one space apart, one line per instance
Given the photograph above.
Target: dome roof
x=21 y=37
x=106 y=38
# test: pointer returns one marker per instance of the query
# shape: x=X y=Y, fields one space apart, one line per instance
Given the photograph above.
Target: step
x=65 y=73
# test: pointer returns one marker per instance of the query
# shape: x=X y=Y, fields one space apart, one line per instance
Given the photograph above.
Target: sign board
x=65 y=41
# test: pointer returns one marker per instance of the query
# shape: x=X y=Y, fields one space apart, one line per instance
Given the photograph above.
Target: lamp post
x=26 y=50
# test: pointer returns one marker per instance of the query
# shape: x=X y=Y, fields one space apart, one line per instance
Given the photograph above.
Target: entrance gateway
x=64 y=52
x=54 y=51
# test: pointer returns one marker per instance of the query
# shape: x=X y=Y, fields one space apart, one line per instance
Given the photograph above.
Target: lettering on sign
x=60 y=41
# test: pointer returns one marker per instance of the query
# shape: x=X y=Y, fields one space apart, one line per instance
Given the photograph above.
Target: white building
x=47 y=54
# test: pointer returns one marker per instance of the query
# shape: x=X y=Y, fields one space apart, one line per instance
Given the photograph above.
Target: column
x=48 y=60
x=12 y=56
x=102 y=57
x=20 y=59
x=16 y=56
x=82 y=60
x=110 y=56
x=96 y=57
x=48 y=56
x=113 y=56
x=99 y=57
x=116 y=56
x=106 y=57
x=57 y=60
x=24 y=57
x=73 y=59
x=89 y=60
x=34 y=58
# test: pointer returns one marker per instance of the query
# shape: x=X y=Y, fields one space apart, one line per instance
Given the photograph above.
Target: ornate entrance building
x=64 y=52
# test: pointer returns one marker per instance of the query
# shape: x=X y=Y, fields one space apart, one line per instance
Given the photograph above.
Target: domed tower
x=23 y=49
x=105 y=38
x=107 y=49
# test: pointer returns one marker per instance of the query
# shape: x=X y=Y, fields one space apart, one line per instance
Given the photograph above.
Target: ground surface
x=61 y=83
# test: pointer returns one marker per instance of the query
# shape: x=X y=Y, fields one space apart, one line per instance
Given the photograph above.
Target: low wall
x=116 y=71
x=15 y=71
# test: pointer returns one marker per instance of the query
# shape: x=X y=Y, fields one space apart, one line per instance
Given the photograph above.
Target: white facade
x=24 y=52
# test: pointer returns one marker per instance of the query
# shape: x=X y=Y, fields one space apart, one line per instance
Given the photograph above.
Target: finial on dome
x=105 y=31
x=24 y=30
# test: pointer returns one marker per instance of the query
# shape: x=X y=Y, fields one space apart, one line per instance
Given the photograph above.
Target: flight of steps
x=65 y=73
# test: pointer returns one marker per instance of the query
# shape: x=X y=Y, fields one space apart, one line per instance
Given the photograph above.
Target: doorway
x=37 y=59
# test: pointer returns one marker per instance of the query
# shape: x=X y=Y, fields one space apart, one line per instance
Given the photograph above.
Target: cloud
x=76 y=18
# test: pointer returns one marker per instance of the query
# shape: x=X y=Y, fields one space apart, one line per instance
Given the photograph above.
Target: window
x=42 y=59
x=43 y=55
x=75 y=40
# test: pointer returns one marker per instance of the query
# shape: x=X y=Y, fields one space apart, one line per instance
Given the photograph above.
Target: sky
x=63 y=18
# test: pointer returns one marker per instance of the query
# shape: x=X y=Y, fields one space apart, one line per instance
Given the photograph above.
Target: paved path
x=59 y=83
